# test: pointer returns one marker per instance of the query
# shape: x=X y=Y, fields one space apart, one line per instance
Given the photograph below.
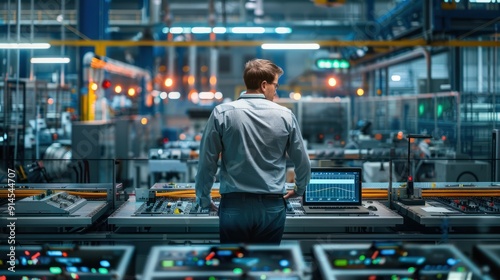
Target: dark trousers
x=251 y=218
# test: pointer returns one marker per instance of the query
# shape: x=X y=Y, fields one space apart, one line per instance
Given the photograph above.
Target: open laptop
x=334 y=190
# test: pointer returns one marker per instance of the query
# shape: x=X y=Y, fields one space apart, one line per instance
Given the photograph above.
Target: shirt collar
x=252 y=95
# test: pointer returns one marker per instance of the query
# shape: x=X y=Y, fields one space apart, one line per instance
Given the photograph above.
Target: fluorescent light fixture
x=218 y=95
x=206 y=95
x=395 y=78
x=284 y=46
x=28 y=46
x=219 y=30
x=248 y=30
x=283 y=30
x=54 y=60
x=174 y=95
x=201 y=30
x=176 y=30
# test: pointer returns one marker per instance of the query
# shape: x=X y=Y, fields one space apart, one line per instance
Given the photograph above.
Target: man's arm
x=298 y=154
x=210 y=148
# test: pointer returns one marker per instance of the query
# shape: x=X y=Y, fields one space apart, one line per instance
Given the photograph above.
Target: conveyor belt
x=23 y=193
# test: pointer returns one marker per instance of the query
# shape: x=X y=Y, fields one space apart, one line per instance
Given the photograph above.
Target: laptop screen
x=334 y=186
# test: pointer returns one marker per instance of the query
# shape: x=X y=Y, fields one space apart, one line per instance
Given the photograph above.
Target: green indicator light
x=55 y=270
x=103 y=270
x=332 y=63
x=362 y=257
x=394 y=277
x=93 y=270
x=167 y=263
x=461 y=269
x=411 y=269
x=237 y=270
x=341 y=262
x=440 y=110
x=421 y=109
x=74 y=276
x=212 y=278
x=263 y=277
x=287 y=270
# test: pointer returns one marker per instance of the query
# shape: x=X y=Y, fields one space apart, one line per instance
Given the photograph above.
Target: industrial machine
x=451 y=205
x=386 y=260
x=225 y=262
x=66 y=262
x=171 y=207
x=58 y=206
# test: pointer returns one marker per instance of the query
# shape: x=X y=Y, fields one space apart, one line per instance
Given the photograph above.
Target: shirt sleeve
x=210 y=148
x=298 y=154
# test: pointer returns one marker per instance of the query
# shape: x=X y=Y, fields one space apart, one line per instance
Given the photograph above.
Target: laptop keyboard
x=333 y=207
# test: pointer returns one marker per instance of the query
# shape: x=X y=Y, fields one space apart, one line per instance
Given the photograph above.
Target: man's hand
x=213 y=207
x=290 y=194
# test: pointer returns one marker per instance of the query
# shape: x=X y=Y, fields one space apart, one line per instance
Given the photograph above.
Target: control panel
x=392 y=261
x=66 y=262
x=471 y=205
x=50 y=202
x=165 y=199
x=225 y=262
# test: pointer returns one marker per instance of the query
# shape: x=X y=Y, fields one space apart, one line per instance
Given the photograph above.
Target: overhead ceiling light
x=58 y=60
x=219 y=30
x=395 y=78
x=248 y=30
x=283 y=30
x=27 y=46
x=201 y=30
x=284 y=46
x=176 y=30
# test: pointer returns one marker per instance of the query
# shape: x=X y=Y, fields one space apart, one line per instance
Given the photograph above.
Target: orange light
x=144 y=121
x=204 y=68
x=191 y=80
x=182 y=136
x=332 y=82
x=50 y=101
x=93 y=86
x=185 y=69
x=118 y=89
x=360 y=92
x=378 y=136
x=213 y=80
x=169 y=82
x=443 y=138
x=131 y=92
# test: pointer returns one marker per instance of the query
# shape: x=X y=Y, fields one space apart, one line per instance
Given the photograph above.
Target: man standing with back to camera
x=253 y=136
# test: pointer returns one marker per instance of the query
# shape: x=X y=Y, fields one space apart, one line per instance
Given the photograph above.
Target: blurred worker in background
x=252 y=136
